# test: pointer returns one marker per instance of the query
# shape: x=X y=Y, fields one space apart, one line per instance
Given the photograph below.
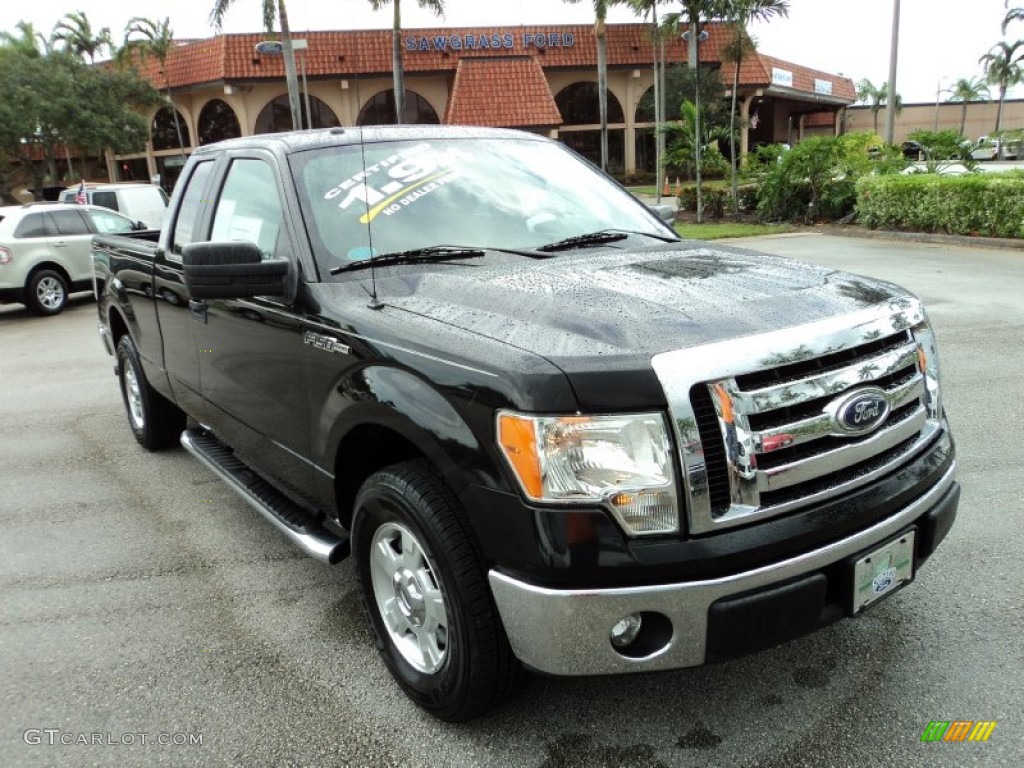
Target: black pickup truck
x=553 y=435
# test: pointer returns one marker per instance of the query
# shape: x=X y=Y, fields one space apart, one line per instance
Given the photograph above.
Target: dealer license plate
x=883 y=570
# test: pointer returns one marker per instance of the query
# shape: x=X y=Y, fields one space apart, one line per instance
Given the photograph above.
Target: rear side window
x=34 y=225
x=192 y=206
x=106 y=199
x=71 y=223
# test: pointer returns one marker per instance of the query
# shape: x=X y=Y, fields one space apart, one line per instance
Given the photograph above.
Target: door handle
x=60 y=244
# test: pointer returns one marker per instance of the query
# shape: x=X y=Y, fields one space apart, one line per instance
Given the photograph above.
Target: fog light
x=625 y=630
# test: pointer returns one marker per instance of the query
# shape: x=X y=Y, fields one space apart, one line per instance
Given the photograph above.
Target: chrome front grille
x=759 y=420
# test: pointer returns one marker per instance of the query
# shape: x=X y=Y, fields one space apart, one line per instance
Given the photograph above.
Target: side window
x=106 y=222
x=106 y=199
x=250 y=207
x=71 y=223
x=33 y=225
x=190 y=210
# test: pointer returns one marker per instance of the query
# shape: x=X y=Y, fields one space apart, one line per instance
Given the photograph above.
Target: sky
x=940 y=40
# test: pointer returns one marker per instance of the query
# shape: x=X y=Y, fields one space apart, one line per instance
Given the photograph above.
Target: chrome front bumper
x=108 y=339
x=567 y=632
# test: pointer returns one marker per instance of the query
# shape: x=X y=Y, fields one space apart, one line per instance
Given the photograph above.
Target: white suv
x=45 y=251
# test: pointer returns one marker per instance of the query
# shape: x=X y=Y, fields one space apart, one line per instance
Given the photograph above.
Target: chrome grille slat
x=841 y=458
x=776 y=399
x=827 y=384
x=807 y=430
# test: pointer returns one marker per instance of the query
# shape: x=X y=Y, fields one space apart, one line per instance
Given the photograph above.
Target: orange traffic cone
x=679 y=187
x=666 y=192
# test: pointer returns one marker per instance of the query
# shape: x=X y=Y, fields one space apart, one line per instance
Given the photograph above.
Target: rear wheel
x=46 y=292
x=426 y=597
x=156 y=422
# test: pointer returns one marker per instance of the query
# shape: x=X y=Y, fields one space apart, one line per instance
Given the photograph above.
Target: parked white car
x=45 y=251
x=139 y=202
x=996 y=148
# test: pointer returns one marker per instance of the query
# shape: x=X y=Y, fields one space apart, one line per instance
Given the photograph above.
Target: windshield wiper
x=599 y=238
x=430 y=253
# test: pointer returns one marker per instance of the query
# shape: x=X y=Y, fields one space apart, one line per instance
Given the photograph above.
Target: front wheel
x=46 y=292
x=156 y=422
x=426 y=597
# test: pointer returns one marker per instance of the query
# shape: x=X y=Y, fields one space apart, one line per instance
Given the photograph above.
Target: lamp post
x=277 y=48
x=938 y=93
x=694 y=55
x=890 y=105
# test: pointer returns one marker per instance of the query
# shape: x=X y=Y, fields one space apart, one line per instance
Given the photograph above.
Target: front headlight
x=623 y=462
x=928 y=363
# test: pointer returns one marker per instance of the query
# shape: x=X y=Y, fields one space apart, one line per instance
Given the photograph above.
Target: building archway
x=217 y=121
x=163 y=132
x=276 y=116
x=380 y=110
x=577 y=104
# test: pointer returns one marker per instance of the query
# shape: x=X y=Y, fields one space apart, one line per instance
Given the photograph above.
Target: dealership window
x=578 y=105
x=217 y=121
x=164 y=133
x=277 y=115
x=588 y=144
x=645 y=107
x=380 y=110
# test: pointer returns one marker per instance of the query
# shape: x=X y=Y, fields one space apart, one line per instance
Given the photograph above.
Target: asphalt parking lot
x=139 y=597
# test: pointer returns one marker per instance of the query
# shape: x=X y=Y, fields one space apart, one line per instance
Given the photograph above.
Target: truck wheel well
x=118 y=327
x=362 y=452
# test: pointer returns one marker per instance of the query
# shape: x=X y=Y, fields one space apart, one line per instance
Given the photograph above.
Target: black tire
x=155 y=421
x=475 y=668
x=46 y=292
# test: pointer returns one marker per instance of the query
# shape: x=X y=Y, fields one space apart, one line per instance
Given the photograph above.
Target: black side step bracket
x=298 y=525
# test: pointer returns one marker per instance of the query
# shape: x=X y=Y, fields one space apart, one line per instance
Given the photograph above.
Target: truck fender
x=377 y=398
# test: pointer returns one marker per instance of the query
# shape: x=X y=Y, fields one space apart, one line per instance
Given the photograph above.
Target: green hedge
x=989 y=204
x=718 y=199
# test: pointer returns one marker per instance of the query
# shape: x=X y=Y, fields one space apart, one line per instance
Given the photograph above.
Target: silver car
x=45 y=251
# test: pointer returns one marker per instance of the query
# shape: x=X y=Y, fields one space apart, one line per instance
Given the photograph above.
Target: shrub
x=990 y=204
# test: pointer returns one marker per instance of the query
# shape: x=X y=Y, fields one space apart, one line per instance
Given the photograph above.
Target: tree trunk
x=655 y=44
x=963 y=118
x=602 y=90
x=396 y=64
x=999 y=109
x=732 y=123
x=289 y=67
x=174 y=112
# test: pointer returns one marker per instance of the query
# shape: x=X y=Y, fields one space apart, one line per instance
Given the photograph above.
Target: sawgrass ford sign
x=484 y=41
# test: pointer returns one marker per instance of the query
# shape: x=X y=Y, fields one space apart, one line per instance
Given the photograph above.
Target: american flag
x=80 y=194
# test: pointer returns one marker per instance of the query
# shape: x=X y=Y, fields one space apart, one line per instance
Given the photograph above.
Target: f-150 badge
x=326 y=343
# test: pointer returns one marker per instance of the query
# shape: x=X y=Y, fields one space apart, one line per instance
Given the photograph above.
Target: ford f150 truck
x=553 y=435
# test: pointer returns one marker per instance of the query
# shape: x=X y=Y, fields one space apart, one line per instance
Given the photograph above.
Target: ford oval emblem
x=859 y=412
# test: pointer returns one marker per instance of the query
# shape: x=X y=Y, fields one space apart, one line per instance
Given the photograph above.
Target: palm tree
x=649 y=8
x=1003 y=69
x=29 y=42
x=272 y=10
x=398 y=72
x=600 y=14
x=75 y=32
x=146 y=38
x=740 y=13
x=876 y=97
x=696 y=13
x=967 y=90
x=1012 y=14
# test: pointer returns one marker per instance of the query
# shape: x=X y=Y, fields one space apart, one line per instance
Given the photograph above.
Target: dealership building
x=537 y=78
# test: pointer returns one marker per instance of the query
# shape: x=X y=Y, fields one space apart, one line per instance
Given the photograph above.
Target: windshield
x=505 y=193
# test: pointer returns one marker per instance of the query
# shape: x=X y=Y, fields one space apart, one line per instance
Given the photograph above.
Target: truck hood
x=595 y=307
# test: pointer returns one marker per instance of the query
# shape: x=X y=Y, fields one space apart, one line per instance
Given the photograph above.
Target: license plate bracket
x=883 y=570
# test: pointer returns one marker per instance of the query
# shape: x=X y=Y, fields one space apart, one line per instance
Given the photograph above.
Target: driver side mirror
x=233 y=270
x=664 y=212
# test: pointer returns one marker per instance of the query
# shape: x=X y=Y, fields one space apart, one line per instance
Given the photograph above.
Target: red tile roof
x=523 y=97
x=232 y=58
